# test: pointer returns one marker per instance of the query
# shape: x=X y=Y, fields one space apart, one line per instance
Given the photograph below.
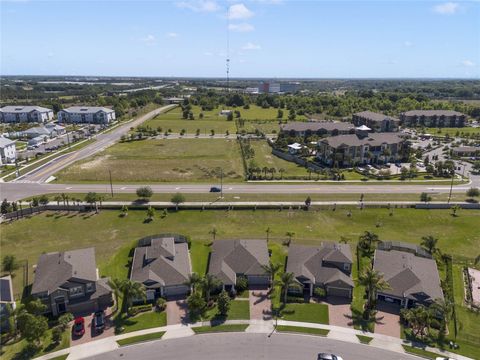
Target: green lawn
x=141 y=338
x=359 y=295
x=220 y=328
x=453 y=131
x=178 y=160
x=420 y=352
x=18 y=350
x=114 y=236
x=313 y=313
x=364 y=339
x=303 y=330
x=239 y=310
x=147 y=320
x=199 y=257
x=264 y=126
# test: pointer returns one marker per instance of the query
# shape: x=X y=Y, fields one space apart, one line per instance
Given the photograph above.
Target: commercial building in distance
x=320 y=128
x=376 y=121
x=361 y=148
x=24 y=114
x=86 y=114
x=266 y=87
x=433 y=118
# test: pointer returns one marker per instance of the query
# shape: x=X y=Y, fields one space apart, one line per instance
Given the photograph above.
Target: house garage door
x=83 y=308
x=338 y=292
x=176 y=290
x=258 y=280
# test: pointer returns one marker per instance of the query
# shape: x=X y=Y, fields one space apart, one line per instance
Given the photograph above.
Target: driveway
x=177 y=311
x=339 y=312
x=90 y=333
x=260 y=304
x=387 y=319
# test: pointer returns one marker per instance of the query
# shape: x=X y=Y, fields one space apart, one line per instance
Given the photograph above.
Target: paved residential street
x=242 y=346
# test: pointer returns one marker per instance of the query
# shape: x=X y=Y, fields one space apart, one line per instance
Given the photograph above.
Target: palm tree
x=367 y=240
x=265 y=170
x=208 y=284
x=132 y=290
x=443 y=309
x=268 y=231
x=272 y=171
x=213 y=232
x=57 y=198
x=193 y=281
x=430 y=243
x=287 y=281
x=64 y=198
x=271 y=269
x=116 y=285
x=150 y=213
x=373 y=282
x=281 y=171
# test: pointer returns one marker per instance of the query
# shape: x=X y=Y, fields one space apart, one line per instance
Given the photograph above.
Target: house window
x=89 y=287
x=76 y=291
x=346 y=266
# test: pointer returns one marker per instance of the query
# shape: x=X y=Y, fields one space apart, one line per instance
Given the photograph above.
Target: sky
x=267 y=38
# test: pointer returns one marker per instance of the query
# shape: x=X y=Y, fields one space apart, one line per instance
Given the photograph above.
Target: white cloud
x=242 y=27
x=468 y=63
x=251 y=46
x=447 y=8
x=199 y=5
x=239 y=11
x=408 y=43
x=172 y=35
x=149 y=39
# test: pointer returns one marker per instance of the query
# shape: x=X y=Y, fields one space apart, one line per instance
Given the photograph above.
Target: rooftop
x=22 y=109
x=373 y=139
x=432 y=113
x=374 y=116
x=314 y=126
x=87 y=109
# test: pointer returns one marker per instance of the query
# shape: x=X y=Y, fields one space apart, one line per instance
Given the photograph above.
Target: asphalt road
x=242 y=346
x=102 y=141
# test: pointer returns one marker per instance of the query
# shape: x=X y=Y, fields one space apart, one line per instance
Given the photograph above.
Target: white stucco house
x=86 y=115
x=21 y=113
x=8 y=151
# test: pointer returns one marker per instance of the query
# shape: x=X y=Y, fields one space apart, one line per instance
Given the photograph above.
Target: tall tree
x=208 y=284
x=194 y=280
x=132 y=290
x=430 y=244
x=116 y=286
x=10 y=264
x=271 y=269
x=287 y=281
x=373 y=282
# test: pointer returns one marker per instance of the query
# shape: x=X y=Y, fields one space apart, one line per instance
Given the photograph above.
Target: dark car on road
x=324 y=356
x=99 y=321
x=215 y=189
x=79 y=326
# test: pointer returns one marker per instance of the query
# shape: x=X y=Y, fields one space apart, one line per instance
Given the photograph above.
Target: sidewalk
x=255 y=326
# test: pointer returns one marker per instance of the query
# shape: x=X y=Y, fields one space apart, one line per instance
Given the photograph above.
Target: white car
x=324 y=356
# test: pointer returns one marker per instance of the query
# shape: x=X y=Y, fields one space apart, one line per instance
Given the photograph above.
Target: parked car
x=324 y=356
x=215 y=189
x=99 y=321
x=79 y=326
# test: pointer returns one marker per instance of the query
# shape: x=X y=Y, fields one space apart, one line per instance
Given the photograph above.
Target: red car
x=79 y=326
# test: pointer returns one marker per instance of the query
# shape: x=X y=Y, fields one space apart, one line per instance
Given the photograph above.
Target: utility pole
x=451 y=186
x=221 y=183
x=111 y=185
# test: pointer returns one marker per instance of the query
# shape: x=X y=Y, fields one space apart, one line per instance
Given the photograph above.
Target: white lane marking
x=177 y=188
x=68 y=188
x=123 y=188
x=230 y=188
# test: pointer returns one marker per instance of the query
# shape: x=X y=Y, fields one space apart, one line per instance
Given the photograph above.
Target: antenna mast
x=228 y=50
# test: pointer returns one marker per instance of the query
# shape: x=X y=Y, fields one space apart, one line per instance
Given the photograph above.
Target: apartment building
x=433 y=118
x=25 y=114
x=8 y=151
x=376 y=121
x=86 y=114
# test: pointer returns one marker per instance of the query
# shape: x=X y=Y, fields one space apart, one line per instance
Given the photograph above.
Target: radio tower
x=228 y=50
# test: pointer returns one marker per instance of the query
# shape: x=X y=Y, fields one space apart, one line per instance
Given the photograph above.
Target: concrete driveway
x=388 y=319
x=339 y=312
x=177 y=311
x=260 y=304
x=90 y=333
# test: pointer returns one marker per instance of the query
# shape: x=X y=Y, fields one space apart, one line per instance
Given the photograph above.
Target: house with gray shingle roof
x=7 y=302
x=433 y=118
x=22 y=113
x=327 y=266
x=162 y=265
x=376 y=121
x=68 y=282
x=413 y=278
x=320 y=128
x=86 y=114
x=230 y=259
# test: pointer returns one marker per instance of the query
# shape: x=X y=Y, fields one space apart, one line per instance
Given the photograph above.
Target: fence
x=296 y=159
x=468 y=206
x=33 y=210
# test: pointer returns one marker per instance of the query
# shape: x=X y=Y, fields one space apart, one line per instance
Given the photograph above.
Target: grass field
x=179 y=160
x=453 y=131
x=265 y=126
x=114 y=236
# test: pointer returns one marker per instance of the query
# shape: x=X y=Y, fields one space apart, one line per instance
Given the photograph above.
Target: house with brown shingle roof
x=412 y=276
x=68 y=281
x=327 y=266
x=433 y=118
x=230 y=259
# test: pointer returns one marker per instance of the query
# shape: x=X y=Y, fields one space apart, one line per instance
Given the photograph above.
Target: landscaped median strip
x=364 y=339
x=141 y=338
x=305 y=330
x=220 y=328
x=420 y=352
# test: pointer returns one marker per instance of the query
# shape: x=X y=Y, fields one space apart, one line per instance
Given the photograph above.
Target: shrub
x=144 y=192
x=242 y=284
x=295 y=299
x=57 y=333
x=161 y=304
x=64 y=319
x=134 y=310
x=435 y=324
x=319 y=292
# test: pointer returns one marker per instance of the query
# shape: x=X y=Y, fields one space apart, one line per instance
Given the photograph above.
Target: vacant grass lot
x=453 y=131
x=114 y=236
x=178 y=160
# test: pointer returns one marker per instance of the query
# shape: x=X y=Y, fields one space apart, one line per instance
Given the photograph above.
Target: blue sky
x=268 y=38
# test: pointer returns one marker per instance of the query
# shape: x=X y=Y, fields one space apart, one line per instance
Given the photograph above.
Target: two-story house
x=68 y=282
x=162 y=264
x=327 y=266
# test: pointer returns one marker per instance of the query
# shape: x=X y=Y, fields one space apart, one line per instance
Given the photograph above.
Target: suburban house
x=230 y=259
x=162 y=264
x=361 y=148
x=466 y=151
x=376 y=121
x=433 y=118
x=8 y=151
x=320 y=128
x=328 y=266
x=86 y=114
x=7 y=302
x=68 y=282
x=20 y=113
x=411 y=273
